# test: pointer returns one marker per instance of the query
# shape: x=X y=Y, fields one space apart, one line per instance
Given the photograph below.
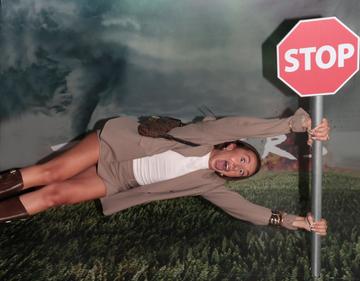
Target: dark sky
x=66 y=64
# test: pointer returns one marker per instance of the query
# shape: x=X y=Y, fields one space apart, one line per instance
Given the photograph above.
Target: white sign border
x=291 y=31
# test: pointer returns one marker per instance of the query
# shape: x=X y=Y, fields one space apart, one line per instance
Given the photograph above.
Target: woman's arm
x=231 y=128
x=237 y=206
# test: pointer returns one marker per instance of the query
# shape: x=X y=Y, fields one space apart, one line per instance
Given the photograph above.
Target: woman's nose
x=235 y=167
x=238 y=166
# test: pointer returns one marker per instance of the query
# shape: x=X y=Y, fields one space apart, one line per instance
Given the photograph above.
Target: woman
x=125 y=169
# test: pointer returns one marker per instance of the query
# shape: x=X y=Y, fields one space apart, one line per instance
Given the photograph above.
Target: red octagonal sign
x=318 y=56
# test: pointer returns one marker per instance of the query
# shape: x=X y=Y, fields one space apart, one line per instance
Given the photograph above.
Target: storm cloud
x=67 y=64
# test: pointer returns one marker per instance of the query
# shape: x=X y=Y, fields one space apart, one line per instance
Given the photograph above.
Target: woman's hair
x=244 y=145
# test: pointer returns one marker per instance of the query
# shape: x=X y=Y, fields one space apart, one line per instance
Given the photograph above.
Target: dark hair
x=240 y=144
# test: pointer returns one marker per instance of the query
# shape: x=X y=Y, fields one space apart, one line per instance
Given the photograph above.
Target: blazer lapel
x=153 y=146
x=189 y=151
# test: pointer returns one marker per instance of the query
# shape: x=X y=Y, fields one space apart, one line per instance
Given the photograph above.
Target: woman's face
x=232 y=161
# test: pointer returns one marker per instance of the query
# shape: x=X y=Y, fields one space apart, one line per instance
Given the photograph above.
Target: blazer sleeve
x=230 y=128
x=237 y=206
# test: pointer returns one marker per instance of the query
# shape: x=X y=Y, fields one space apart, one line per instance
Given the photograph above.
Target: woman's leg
x=70 y=163
x=82 y=187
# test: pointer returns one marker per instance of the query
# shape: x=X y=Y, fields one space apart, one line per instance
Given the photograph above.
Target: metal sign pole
x=316 y=185
x=307 y=76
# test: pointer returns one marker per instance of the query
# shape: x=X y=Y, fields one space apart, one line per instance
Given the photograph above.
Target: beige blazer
x=127 y=144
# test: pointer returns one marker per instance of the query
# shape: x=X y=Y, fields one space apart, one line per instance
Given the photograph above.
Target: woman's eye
x=241 y=172
x=242 y=160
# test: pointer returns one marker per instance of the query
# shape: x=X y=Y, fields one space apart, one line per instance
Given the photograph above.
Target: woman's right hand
x=308 y=223
x=319 y=227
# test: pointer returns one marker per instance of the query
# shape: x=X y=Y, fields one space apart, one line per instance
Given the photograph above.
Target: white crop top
x=166 y=165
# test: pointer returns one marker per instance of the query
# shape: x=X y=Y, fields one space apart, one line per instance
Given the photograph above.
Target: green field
x=186 y=239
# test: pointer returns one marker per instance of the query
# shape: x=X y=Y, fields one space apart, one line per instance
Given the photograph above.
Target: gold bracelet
x=276 y=218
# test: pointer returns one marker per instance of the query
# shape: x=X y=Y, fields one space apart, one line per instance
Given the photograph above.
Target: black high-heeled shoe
x=12 y=209
x=11 y=183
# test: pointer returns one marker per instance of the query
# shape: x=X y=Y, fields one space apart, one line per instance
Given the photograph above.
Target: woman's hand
x=320 y=132
x=308 y=223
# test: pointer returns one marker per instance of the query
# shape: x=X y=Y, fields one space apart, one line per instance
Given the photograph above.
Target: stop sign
x=318 y=56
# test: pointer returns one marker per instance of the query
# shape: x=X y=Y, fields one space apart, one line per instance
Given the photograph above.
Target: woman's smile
x=233 y=161
x=222 y=165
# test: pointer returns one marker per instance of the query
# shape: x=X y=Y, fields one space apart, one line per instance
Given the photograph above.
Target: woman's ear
x=230 y=146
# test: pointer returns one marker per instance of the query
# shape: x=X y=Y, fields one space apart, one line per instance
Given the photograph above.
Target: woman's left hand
x=320 y=132
x=319 y=227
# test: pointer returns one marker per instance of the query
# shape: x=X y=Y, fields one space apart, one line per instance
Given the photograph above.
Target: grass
x=186 y=239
